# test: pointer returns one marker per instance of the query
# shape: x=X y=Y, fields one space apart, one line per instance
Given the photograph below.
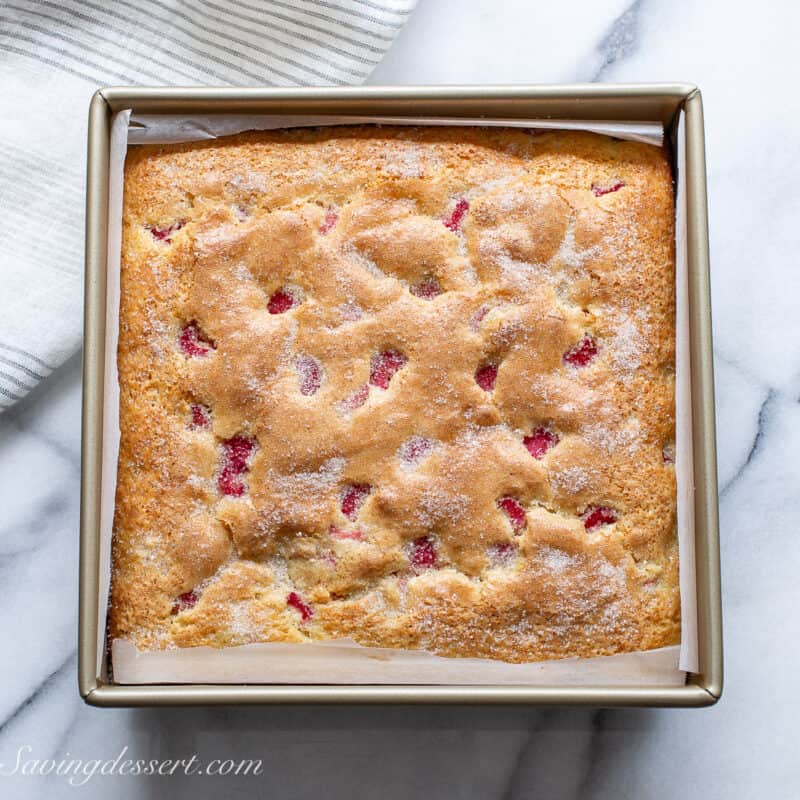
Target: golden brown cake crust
x=413 y=386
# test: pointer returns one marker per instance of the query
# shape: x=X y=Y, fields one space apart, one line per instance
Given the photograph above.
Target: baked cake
x=408 y=386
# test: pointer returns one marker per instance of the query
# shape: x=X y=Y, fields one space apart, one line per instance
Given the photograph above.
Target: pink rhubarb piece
x=423 y=553
x=598 y=190
x=164 y=233
x=515 y=512
x=194 y=342
x=340 y=533
x=456 y=217
x=427 y=289
x=310 y=373
x=486 y=376
x=582 y=354
x=331 y=218
x=597 y=516
x=384 y=366
x=540 y=441
x=236 y=455
x=296 y=602
x=201 y=416
x=281 y=302
x=353 y=498
x=415 y=449
x=186 y=601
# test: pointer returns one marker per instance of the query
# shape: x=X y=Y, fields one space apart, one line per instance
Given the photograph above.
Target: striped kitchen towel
x=55 y=53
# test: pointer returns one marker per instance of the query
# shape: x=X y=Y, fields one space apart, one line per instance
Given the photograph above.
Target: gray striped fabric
x=55 y=53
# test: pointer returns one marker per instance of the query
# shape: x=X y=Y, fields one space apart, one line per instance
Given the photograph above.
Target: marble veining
x=619 y=42
x=744 y=61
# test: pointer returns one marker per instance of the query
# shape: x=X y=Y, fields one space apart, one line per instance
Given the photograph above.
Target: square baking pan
x=661 y=103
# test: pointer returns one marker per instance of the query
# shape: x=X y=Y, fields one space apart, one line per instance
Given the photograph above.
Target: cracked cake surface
x=409 y=386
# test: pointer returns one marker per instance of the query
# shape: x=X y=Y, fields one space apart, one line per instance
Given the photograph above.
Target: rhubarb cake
x=408 y=386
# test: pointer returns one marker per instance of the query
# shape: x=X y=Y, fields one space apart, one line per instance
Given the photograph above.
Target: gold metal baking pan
x=641 y=102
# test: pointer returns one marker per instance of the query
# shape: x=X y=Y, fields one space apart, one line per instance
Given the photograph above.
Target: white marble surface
x=743 y=57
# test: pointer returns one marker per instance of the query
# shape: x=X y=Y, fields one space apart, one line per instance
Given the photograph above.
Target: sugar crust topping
x=410 y=386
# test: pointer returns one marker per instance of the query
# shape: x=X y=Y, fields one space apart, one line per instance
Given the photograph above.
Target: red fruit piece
x=311 y=374
x=236 y=453
x=456 y=217
x=515 y=512
x=422 y=553
x=415 y=449
x=201 y=416
x=353 y=498
x=501 y=554
x=384 y=365
x=356 y=400
x=598 y=190
x=281 y=301
x=295 y=601
x=340 y=533
x=668 y=453
x=331 y=218
x=540 y=441
x=185 y=601
x=596 y=516
x=486 y=376
x=427 y=289
x=582 y=354
x=476 y=319
x=164 y=233
x=194 y=342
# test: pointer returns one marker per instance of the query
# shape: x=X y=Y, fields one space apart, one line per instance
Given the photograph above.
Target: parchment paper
x=158 y=129
x=344 y=661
